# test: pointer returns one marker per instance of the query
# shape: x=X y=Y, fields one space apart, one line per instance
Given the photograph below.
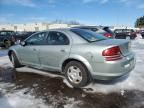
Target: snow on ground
x=18 y=99
x=22 y=99
x=135 y=80
x=3 y=53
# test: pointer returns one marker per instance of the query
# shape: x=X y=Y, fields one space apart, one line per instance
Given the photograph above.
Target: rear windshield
x=88 y=28
x=88 y=35
x=92 y=29
x=107 y=29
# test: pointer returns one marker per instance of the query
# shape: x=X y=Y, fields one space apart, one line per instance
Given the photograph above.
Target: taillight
x=112 y=54
x=108 y=35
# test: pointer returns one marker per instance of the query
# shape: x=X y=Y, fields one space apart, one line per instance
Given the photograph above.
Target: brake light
x=112 y=54
x=108 y=35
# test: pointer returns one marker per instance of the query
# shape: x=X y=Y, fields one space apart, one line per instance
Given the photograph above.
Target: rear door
x=29 y=53
x=57 y=49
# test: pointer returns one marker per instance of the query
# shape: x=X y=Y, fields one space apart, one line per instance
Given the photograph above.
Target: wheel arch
x=10 y=52
x=82 y=61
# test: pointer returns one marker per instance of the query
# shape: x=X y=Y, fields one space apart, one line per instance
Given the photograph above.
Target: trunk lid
x=123 y=44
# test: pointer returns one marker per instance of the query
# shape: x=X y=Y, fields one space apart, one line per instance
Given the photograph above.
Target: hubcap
x=74 y=74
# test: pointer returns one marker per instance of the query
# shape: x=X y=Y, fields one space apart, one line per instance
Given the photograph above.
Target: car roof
x=59 y=29
x=99 y=27
x=85 y=27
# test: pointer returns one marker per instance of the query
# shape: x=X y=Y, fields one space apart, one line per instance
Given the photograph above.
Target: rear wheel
x=14 y=60
x=76 y=74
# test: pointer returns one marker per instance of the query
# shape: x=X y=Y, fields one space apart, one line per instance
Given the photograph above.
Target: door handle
x=34 y=49
x=62 y=50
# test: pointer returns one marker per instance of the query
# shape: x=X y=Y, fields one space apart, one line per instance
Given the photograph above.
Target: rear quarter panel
x=87 y=54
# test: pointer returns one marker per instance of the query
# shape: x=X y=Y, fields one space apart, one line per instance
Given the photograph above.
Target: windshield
x=88 y=35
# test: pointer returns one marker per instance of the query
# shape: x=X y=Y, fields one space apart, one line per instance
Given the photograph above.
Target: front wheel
x=14 y=60
x=76 y=74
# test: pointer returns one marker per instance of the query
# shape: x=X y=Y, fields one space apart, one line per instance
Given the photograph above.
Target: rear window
x=7 y=33
x=88 y=35
x=88 y=28
x=128 y=30
x=119 y=31
x=107 y=29
x=92 y=29
x=124 y=30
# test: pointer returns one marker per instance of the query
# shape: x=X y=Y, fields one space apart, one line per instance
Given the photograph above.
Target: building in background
x=33 y=26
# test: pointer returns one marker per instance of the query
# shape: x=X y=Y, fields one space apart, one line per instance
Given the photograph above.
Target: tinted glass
x=92 y=29
x=118 y=31
x=57 y=38
x=37 y=39
x=7 y=33
x=123 y=30
x=128 y=30
x=107 y=29
x=88 y=35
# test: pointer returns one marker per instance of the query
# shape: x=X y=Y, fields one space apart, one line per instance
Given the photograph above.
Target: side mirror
x=18 y=42
x=23 y=43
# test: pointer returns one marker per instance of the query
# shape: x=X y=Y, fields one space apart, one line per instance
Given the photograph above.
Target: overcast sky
x=93 y=12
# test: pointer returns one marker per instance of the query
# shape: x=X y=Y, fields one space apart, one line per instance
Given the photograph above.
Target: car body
x=142 y=33
x=7 y=38
x=105 y=31
x=80 y=54
x=125 y=34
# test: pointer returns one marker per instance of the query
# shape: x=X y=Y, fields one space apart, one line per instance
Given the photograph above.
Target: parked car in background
x=125 y=34
x=7 y=38
x=23 y=35
x=105 y=31
x=80 y=54
x=142 y=33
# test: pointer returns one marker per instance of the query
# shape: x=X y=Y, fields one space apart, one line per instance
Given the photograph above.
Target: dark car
x=7 y=38
x=105 y=31
x=23 y=35
x=142 y=33
x=125 y=34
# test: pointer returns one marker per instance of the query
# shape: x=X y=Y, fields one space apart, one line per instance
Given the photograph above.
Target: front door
x=57 y=49
x=29 y=53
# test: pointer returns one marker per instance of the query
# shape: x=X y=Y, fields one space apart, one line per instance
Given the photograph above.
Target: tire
x=74 y=69
x=15 y=61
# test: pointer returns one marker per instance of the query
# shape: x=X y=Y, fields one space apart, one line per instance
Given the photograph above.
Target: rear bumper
x=111 y=70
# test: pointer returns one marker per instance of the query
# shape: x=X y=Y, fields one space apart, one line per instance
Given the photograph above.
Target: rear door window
x=57 y=38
